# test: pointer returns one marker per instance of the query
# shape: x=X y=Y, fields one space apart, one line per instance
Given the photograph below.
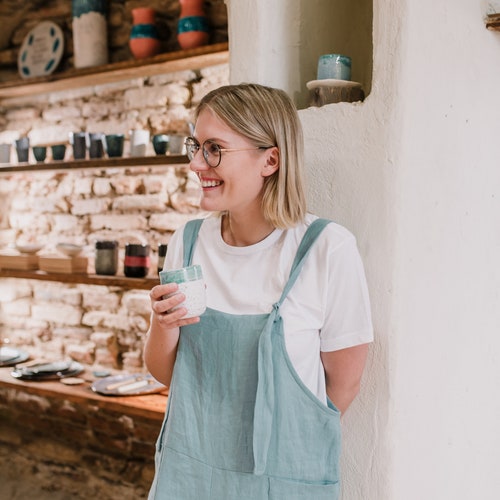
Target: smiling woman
x=283 y=341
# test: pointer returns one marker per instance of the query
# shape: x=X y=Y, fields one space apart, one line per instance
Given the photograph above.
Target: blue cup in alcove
x=334 y=67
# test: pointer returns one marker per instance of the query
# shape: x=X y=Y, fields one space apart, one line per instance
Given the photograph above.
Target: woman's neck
x=243 y=231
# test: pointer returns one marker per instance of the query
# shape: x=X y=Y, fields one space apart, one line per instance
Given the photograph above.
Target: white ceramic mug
x=139 y=140
x=176 y=144
x=4 y=153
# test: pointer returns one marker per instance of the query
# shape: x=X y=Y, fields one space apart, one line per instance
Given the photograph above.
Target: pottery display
x=90 y=35
x=144 y=40
x=192 y=27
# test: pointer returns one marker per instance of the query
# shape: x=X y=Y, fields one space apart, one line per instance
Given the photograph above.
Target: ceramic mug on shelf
x=113 y=143
x=96 y=145
x=40 y=153
x=334 y=66
x=139 y=140
x=22 y=149
x=160 y=143
x=79 y=142
x=4 y=153
x=58 y=151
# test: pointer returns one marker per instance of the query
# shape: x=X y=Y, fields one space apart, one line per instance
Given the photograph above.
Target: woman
x=258 y=382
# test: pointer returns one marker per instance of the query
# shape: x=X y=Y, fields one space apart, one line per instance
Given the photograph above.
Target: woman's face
x=236 y=184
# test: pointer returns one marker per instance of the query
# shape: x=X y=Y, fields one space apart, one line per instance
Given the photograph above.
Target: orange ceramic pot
x=192 y=28
x=144 y=41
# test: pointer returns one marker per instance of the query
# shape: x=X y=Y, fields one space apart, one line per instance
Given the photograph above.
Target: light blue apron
x=240 y=424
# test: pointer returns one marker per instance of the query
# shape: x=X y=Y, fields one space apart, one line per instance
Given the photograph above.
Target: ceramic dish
x=69 y=249
x=329 y=82
x=41 y=50
x=48 y=371
x=10 y=356
x=29 y=248
x=127 y=385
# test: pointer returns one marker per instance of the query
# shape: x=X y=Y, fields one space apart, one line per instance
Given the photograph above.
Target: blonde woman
x=259 y=381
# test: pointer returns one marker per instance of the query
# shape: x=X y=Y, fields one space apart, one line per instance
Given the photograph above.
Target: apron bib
x=240 y=424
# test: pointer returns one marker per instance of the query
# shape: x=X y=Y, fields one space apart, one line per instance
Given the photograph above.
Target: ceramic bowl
x=29 y=248
x=69 y=249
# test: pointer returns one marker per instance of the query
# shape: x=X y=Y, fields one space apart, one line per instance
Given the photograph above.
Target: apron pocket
x=282 y=489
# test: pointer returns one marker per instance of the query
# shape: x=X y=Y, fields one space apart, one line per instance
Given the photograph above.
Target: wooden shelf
x=122 y=162
x=85 y=279
x=200 y=57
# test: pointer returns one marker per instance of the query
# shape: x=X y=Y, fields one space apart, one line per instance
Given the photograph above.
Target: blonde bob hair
x=268 y=118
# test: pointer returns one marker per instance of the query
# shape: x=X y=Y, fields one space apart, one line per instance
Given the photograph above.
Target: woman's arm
x=160 y=349
x=343 y=370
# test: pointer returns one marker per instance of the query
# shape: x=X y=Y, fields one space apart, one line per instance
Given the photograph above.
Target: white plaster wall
x=413 y=172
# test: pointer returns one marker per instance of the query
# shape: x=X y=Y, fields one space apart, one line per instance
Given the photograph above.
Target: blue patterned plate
x=41 y=50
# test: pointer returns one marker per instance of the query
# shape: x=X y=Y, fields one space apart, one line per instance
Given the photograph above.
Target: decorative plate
x=41 y=50
x=48 y=371
x=127 y=385
x=10 y=356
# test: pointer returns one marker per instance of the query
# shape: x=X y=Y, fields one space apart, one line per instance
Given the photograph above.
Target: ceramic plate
x=10 y=356
x=127 y=385
x=48 y=371
x=41 y=50
x=329 y=82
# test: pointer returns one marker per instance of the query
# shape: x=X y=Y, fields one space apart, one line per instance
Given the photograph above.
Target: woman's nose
x=198 y=162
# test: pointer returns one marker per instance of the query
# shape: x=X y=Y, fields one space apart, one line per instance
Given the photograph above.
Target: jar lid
x=137 y=249
x=106 y=244
x=182 y=275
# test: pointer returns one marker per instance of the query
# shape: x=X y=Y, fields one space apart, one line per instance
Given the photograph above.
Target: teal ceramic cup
x=334 y=66
x=191 y=284
x=40 y=153
x=58 y=151
x=114 y=144
x=160 y=143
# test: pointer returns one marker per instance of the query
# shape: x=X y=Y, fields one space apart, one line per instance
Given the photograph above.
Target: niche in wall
x=340 y=27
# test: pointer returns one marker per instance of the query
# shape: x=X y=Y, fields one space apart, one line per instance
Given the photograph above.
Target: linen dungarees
x=240 y=424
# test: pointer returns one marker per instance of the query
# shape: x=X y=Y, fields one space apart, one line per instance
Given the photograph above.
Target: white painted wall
x=413 y=172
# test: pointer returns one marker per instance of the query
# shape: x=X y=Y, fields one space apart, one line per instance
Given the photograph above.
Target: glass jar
x=162 y=252
x=106 y=257
x=137 y=260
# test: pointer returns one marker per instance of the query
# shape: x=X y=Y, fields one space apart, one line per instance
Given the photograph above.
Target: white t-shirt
x=327 y=308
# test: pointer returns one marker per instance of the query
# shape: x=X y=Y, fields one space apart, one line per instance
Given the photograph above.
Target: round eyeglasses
x=212 y=152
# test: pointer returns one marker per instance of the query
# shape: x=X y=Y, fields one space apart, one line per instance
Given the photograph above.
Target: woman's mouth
x=210 y=183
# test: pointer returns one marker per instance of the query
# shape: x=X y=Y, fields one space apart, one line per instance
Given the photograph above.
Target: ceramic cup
x=22 y=149
x=139 y=140
x=176 y=144
x=79 y=142
x=334 y=66
x=4 y=153
x=96 y=146
x=113 y=144
x=58 y=151
x=160 y=143
x=40 y=153
x=191 y=284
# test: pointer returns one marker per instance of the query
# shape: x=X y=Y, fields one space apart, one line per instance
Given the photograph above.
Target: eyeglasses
x=212 y=152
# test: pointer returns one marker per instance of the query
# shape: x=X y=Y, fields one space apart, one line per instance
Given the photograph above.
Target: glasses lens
x=211 y=153
x=192 y=147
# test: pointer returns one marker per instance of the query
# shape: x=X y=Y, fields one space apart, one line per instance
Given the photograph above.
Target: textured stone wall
x=97 y=326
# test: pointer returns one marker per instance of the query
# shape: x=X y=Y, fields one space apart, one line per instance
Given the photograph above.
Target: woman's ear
x=272 y=163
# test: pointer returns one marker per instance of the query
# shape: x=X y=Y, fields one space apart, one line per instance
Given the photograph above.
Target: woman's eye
x=212 y=148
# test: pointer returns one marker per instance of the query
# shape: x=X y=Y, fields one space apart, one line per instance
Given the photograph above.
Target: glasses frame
x=191 y=142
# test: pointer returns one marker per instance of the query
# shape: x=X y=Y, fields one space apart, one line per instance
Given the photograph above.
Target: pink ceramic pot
x=144 y=41
x=192 y=28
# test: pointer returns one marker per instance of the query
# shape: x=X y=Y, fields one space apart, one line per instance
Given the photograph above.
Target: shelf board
x=200 y=57
x=121 y=162
x=84 y=279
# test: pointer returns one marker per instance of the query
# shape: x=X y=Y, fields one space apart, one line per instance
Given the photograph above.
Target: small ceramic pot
x=114 y=144
x=160 y=143
x=58 y=151
x=192 y=27
x=22 y=149
x=144 y=41
x=334 y=66
x=40 y=153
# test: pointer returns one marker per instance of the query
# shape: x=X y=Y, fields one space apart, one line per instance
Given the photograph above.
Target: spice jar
x=162 y=252
x=106 y=257
x=192 y=285
x=137 y=261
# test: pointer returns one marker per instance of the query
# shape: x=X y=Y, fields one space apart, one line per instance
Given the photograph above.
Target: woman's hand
x=160 y=348
x=163 y=300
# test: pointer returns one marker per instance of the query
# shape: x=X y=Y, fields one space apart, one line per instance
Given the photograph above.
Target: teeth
x=211 y=183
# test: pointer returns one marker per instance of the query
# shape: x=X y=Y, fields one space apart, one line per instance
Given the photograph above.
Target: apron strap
x=191 y=231
x=264 y=402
